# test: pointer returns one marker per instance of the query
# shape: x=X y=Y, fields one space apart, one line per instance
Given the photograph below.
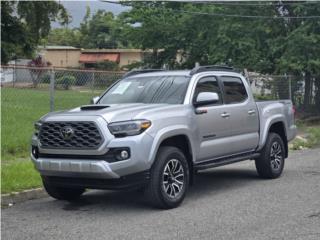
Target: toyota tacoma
x=154 y=129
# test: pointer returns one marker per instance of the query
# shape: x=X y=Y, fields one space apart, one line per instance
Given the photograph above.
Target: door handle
x=252 y=112
x=201 y=111
x=225 y=115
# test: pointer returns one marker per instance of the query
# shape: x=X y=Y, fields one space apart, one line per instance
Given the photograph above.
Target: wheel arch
x=275 y=123
x=177 y=138
x=279 y=128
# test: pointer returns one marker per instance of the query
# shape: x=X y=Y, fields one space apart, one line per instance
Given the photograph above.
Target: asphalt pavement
x=230 y=202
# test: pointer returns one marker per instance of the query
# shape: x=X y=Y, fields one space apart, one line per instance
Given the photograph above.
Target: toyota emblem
x=67 y=132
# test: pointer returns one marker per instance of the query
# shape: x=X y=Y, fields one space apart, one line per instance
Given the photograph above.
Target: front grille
x=85 y=135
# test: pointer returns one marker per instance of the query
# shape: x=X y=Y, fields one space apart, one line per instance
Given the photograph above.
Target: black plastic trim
x=125 y=182
x=226 y=160
x=93 y=107
x=207 y=68
x=110 y=156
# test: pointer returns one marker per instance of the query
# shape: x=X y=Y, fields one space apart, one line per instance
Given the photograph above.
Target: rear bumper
x=124 y=182
x=292 y=133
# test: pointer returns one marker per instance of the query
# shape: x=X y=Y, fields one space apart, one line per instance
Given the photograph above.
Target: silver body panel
x=210 y=136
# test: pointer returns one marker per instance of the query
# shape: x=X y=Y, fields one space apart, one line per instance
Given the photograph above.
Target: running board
x=225 y=161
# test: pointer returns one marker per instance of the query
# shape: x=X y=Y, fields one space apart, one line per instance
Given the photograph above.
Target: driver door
x=213 y=125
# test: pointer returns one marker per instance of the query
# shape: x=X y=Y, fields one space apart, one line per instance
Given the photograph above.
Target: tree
x=24 y=23
x=64 y=37
x=15 y=41
x=102 y=30
x=302 y=50
x=38 y=16
x=279 y=42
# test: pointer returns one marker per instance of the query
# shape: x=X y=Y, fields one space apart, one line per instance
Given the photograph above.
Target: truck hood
x=115 y=112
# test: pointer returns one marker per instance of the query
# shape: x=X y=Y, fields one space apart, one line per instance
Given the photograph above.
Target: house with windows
x=122 y=57
x=67 y=56
x=61 y=56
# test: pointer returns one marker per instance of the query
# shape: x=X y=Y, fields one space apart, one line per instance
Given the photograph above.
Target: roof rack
x=212 y=68
x=138 y=71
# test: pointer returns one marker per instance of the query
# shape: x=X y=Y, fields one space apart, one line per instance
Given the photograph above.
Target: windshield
x=155 y=89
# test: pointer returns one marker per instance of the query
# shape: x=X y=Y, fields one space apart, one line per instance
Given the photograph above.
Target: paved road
x=225 y=203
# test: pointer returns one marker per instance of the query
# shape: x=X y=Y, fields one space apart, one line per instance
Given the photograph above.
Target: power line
x=245 y=16
x=228 y=15
x=249 y=3
x=230 y=3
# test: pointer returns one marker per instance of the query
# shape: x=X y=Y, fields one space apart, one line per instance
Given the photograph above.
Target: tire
x=62 y=193
x=271 y=161
x=169 y=179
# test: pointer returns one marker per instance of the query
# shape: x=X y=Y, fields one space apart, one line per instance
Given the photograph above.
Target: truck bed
x=275 y=111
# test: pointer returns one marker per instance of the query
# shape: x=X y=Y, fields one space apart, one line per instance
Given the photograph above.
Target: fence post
x=290 y=89
x=51 y=88
x=14 y=75
x=92 y=84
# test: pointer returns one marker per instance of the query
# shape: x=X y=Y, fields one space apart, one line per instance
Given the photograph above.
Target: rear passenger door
x=241 y=111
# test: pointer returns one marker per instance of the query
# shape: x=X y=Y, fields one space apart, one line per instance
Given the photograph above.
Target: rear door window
x=234 y=90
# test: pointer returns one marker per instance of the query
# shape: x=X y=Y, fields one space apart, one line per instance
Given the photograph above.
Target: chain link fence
x=277 y=87
x=58 y=88
x=55 y=88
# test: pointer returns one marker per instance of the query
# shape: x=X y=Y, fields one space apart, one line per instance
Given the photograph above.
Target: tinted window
x=234 y=90
x=208 y=84
x=154 y=89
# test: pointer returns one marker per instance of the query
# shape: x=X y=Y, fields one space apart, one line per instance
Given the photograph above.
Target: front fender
x=168 y=132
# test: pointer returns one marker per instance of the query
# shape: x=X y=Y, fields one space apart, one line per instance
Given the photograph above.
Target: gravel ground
x=230 y=202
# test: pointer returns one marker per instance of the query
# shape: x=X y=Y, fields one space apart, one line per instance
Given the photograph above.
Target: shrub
x=82 y=78
x=45 y=78
x=106 y=65
x=263 y=97
x=66 y=81
x=134 y=65
x=314 y=136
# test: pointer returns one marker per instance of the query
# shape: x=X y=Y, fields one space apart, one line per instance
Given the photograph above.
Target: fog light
x=124 y=154
x=35 y=152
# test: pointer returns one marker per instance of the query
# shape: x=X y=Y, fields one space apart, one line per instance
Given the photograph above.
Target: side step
x=225 y=161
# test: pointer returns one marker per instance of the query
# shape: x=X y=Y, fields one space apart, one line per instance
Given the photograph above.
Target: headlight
x=128 y=128
x=37 y=126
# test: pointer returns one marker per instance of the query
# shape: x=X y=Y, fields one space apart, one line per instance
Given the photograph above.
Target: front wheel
x=62 y=193
x=271 y=161
x=169 y=178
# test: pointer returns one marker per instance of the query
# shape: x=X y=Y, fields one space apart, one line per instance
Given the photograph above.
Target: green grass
x=20 y=109
x=19 y=175
x=311 y=138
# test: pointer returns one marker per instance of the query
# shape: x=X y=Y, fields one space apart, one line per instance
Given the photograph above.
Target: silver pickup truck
x=154 y=129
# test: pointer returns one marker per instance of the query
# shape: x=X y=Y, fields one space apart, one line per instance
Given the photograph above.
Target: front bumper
x=74 y=168
x=91 y=163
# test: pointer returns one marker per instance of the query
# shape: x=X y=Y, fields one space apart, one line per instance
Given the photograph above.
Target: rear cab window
x=234 y=90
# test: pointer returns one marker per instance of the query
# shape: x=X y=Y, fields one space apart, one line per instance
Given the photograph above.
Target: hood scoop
x=93 y=107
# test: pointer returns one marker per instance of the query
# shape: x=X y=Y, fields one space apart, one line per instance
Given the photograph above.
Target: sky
x=77 y=9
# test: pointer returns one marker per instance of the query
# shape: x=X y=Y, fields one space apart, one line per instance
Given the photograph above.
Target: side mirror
x=205 y=98
x=94 y=100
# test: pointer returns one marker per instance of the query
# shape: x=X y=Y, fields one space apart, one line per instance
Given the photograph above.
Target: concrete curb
x=18 y=197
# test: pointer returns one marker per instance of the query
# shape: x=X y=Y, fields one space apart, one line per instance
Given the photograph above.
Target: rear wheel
x=169 y=178
x=63 y=193
x=271 y=162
